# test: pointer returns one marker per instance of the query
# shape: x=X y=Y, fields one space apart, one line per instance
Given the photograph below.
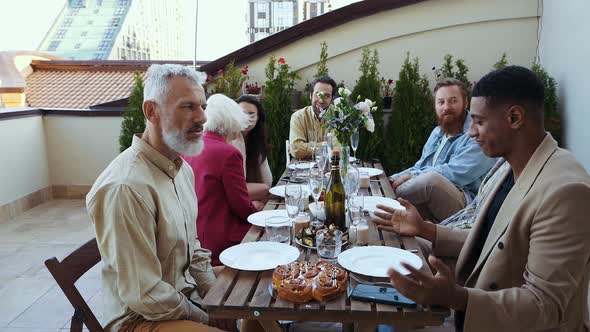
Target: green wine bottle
x=335 y=196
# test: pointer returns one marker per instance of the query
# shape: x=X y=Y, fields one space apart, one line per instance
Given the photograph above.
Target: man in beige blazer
x=524 y=266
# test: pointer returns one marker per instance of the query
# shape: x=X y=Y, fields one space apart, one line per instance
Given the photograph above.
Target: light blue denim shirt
x=461 y=161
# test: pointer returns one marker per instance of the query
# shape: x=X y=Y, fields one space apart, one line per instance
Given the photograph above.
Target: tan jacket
x=303 y=121
x=532 y=274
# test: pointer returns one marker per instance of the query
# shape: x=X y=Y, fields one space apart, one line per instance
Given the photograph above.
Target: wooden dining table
x=248 y=294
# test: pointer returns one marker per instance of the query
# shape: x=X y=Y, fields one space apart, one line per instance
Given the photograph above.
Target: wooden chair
x=66 y=273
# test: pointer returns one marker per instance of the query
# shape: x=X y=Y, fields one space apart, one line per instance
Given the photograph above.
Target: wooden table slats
x=246 y=294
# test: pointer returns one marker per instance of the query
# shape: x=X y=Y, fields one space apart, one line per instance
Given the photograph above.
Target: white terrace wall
x=23 y=158
x=478 y=31
x=565 y=52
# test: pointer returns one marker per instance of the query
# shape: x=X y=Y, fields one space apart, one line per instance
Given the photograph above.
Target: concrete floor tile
x=19 y=294
x=53 y=310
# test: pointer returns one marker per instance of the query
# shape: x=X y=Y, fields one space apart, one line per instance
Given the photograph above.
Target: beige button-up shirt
x=144 y=208
x=303 y=121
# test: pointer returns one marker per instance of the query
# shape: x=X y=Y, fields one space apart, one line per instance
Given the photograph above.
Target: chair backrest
x=288 y=150
x=66 y=273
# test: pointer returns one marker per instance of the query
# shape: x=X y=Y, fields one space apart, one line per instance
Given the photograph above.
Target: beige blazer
x=532 y=274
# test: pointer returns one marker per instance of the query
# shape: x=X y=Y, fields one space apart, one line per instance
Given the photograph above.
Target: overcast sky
x=221 y=30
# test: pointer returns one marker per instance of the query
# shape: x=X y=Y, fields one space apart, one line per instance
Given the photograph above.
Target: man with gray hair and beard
x=144 y=208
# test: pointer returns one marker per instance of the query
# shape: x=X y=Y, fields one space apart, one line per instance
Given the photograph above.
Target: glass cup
x=301 y=222
x=278 y=229
x=329 y=244
x=359 y=233
x=364 y=179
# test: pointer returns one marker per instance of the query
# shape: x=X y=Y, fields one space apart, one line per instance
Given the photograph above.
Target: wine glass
x=350 y=177
x=321 y=156
x=293 y=200
x=312 y=139
x=354 y=143
x=316 y=184
x=355 y=210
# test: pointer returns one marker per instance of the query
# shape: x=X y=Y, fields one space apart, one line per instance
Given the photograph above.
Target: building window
x=122 y=2
x=97 y=56
x=90 y=22
x=109 y=34
x=73 y=11
x=84 y=33
x=76 y=3
x=262 y=15
x=115 y=22
x=67 y=22
x=60 y=34
x=119 y=11
x=104 y=45
x=95 y=11
x=77 y=46
x=53 y=45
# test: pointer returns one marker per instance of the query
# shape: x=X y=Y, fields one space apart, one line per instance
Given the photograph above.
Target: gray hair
x=156 y=87
x=224 y=116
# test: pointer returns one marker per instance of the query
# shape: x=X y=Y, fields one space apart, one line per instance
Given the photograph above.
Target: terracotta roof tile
x=77 y=88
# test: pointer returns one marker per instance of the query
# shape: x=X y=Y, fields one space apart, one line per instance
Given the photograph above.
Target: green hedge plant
x=412 y=119
x=278 y=106
x=369 y=86
x=133 y=119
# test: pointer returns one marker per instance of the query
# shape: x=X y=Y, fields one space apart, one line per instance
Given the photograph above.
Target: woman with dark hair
x=254 y=148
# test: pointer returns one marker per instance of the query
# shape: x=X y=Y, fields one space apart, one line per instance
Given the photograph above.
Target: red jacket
x=224 y=204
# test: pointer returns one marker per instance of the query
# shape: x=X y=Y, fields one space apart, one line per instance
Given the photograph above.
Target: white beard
x=175 y=140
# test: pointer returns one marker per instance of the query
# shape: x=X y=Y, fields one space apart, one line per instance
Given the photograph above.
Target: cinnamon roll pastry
x=296 y=290
x=285 y=272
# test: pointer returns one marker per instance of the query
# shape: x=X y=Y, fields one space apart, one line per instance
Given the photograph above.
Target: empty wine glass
x=350 y=177
x=354 y=143
x=356 y=205
x=293 y=199
x=316 y=184
x=312 y=139
x=356 y=212
x=321 y=155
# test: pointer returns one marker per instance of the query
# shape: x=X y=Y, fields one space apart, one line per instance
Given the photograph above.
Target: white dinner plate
x=259 y=217
x=374 y=261
x=258 y=256
x=301 y=165
x=370 y=170
x=370 y=203
x=280 y=190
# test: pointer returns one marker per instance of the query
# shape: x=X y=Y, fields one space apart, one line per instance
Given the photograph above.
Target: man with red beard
x=452 y=166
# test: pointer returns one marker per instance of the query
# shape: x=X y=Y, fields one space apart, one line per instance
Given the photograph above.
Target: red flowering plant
x=230 y=80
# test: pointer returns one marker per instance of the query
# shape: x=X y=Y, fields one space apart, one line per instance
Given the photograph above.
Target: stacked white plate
x=374 y=261
x=258 y=256
x=372 y=201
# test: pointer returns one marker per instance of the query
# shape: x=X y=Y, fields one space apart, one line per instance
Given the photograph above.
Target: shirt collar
x=312 y=115
x=171 y=168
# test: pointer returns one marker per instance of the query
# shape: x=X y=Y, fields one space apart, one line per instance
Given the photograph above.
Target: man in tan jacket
x=308 y=119
x=144 y=208
x=525 y=264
